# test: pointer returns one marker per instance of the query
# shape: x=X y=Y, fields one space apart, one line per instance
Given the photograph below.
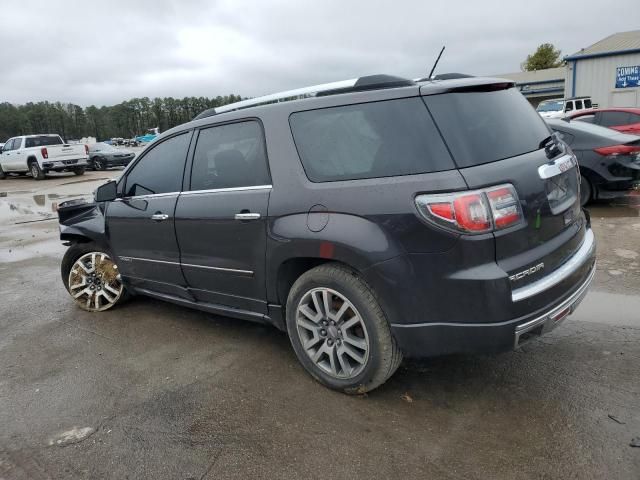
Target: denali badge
x=524 y=273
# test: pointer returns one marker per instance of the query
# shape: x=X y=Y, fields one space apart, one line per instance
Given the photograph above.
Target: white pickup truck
x=39 y=154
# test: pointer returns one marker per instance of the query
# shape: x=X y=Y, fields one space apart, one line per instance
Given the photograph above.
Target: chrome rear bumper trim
x=556 y=315
x=554 y=278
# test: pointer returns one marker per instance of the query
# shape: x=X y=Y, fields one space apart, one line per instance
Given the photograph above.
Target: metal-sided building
x=608 y=71
x=539 y=85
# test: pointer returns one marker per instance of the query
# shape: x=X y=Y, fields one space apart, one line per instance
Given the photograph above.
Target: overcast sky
x=106 y=51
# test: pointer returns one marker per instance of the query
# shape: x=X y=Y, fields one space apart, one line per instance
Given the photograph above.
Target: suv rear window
x=481 y=127
x=369 y=140
x=42 y=141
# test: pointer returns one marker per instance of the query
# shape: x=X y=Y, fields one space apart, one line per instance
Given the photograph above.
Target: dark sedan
x=103 y=156
x=609 y=160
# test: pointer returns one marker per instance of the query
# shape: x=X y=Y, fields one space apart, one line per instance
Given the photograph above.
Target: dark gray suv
x=369 y=219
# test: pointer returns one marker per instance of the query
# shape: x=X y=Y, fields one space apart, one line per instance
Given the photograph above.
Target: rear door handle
x=247 y=216
x=158 y=217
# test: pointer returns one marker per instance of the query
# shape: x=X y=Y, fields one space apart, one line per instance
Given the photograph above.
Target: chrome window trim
x=191 y=265
x=557 y=276
x=229 y=189
x=151 y=195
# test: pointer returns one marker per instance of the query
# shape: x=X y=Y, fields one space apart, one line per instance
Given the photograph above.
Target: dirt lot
x=152 y=390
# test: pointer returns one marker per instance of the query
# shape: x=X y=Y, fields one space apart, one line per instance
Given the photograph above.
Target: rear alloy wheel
x=332 y=333
x=36 y=171
x=338 y=330
x=93 y=279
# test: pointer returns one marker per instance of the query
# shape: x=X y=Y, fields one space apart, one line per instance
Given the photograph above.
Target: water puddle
x=609 y=308
x=624 y=207
x=20 y=207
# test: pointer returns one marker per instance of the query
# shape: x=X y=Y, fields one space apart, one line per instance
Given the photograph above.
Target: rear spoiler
x=470 y=84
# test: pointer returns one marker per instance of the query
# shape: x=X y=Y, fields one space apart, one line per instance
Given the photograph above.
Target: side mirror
x=107 y=192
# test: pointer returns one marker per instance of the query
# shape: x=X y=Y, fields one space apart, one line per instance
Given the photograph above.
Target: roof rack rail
x=371 y=82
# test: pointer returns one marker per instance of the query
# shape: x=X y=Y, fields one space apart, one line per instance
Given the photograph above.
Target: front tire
x=586 y=191
x=338 y=330
x=36 y=171
x=2 y=174
x=91 y=277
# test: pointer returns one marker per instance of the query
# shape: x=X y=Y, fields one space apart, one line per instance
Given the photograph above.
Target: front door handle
x=158 y=217
x=247 y=216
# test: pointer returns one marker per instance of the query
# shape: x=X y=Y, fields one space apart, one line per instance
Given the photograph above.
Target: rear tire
x=79 y=171
x=99 y=164
x=36 y=171
x=586 y=191
x=91 y=277
x=2 y=174
x=338 y=330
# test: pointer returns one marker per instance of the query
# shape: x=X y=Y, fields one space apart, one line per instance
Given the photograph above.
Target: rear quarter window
x=42 y=141
x=486 y=126
x=369 y=140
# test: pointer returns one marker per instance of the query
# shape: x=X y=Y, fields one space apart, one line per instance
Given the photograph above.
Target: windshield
x=42 y=141
x=550 y=106
x=104 y=147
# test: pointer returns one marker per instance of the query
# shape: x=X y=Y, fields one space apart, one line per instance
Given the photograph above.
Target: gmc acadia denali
x=369 y=219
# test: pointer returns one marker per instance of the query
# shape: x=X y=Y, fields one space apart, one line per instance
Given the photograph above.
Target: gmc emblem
x=526 y=273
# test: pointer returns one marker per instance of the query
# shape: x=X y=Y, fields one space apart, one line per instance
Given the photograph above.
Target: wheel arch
x=293 y=268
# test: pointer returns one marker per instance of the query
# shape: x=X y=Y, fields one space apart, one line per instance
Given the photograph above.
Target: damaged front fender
x=82 y=221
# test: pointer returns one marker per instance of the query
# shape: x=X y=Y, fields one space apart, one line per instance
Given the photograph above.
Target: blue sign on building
x=627 y=77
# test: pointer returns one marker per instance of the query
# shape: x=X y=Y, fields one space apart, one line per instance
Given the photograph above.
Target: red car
x=626 y=120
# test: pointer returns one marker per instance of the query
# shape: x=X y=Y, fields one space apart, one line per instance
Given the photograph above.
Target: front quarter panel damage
x=82 y=221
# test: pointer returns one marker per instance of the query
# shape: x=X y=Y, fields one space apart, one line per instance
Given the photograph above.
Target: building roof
x=622 y=42
x=536 y=76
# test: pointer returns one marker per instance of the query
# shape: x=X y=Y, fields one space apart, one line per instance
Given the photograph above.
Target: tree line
x=126 y=119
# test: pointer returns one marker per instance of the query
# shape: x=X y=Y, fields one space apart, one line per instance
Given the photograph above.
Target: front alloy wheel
x=94 y=282
x=332 y=333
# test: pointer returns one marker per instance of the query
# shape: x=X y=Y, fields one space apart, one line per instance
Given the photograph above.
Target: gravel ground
x=152 y=390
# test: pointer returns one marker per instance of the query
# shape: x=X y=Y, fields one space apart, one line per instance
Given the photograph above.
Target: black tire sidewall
x=585 y=189
x=40 y=174
x=353 y=292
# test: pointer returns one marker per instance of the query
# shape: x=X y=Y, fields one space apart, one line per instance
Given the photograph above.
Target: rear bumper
x=61 y=165
x=432 y=339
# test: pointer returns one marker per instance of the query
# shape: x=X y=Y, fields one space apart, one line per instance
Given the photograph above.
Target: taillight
x=44 y=152
x=86 y=150
x=505 y=206
x=479 y=211
x=615 y=150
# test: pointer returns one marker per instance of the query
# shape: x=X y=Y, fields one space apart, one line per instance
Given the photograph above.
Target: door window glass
x=569 y=107
x=161 y=168
x=612 y=119
x=586 y=118
x=8 y=146
x=230 y=156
